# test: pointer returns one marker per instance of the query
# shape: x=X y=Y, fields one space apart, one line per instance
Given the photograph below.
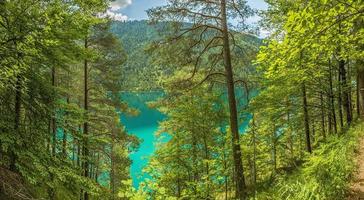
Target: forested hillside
x=241 y=117
x=137 y=37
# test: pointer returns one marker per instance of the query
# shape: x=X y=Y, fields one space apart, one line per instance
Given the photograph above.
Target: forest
x=194 y=102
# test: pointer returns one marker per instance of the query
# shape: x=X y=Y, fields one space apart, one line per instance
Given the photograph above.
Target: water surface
x=144 y=127
x=146 y=124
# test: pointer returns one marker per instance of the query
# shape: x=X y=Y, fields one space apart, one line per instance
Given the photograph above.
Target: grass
x=325 y=175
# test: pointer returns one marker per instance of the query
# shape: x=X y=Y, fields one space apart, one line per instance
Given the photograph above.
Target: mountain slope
x=136 y=35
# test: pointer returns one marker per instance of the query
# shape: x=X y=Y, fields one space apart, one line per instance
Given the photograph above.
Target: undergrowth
x=325 y=175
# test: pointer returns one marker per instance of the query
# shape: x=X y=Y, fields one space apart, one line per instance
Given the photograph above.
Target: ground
x=357 y=186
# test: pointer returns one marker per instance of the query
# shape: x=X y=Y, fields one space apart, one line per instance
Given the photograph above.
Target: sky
x=136 y=9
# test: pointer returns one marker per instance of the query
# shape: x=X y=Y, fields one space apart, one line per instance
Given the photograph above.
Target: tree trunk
x=340 y=102
x=306 y=118
x=290 y=134
x=350 y=91
x=345 y=88
x=97 y=171
x=64 y=140
x=237 y=155
x=357 y=94
x=78 y=153
x=51 y=191
x=85 y=125
x=313 y=131
x=17 y=110
x=329 y=120
x=112 y=168
x=332 y=101
x=194 y=161
x=361 y=87
x=226 y=177
x=207 y=157
x=274 y=151
x=53 y=118
x=254 y=154
x=74 y=151
x=322 y=115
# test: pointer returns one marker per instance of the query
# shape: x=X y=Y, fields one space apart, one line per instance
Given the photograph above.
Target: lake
x=146 y=124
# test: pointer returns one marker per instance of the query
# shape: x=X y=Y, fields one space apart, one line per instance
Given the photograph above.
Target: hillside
x=136 y=35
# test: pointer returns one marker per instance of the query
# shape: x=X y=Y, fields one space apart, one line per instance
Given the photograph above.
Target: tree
x=42 y=92
x=304 y=61
x=192 y=149
x=210 y=32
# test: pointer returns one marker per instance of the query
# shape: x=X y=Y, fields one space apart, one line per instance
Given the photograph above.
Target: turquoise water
x=143 y=126
x=146 y=124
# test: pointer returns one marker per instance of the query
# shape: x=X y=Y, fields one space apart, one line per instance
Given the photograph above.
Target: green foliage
x=58 y=56
x=325 y=175
x=309 y=46
x=139 y=72
x=41 y=100
x=190 y=157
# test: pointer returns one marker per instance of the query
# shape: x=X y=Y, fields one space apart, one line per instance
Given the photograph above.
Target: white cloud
x=119 y=4
x=114 y=10
x=116 y=16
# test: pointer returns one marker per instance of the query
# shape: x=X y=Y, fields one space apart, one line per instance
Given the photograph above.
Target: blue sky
x=135 y=9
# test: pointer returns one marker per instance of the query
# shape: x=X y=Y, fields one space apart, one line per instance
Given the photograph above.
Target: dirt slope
x=357 y=187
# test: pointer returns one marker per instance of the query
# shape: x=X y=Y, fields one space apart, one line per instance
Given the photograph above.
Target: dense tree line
x=303 y=89
x=60 y=80
x=135 y=37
